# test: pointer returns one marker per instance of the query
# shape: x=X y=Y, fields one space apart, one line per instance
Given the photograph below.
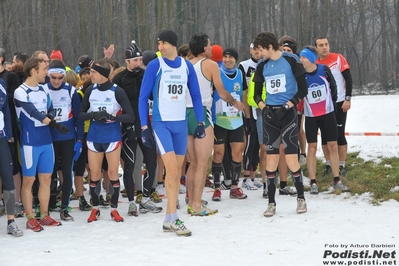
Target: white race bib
x=317 y=94
x=102 y=106
x=228 y=108
x=61 y=112
x=276 y=84
x=173 y=91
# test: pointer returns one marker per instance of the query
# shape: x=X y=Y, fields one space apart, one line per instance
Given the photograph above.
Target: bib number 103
x=175 y=89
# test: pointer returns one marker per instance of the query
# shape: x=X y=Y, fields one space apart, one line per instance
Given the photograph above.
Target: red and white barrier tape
x=372 y=134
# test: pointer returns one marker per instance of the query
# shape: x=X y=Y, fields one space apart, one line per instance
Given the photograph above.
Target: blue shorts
x=38 y=159
x=103 y=147
x=171 y=136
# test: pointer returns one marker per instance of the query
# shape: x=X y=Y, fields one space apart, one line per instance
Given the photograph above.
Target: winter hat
x=56 y=54
x=309 y=54
x=148 y=56
x=84 y=61
x=168 y=36
x=133 y=51
x=217 y=53
x=290 y=45
x=232 y=52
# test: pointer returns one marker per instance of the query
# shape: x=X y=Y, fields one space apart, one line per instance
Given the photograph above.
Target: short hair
x=36 y=53
x=105 y=63
x=71 y=77
x=184 y=50
x=31 y=63
x=83 y=71
x=319 y=38
x=265 y=39
x=198 y=42
x=21 y=56
x=55 y=63
x=311 y=48
x=2 y=54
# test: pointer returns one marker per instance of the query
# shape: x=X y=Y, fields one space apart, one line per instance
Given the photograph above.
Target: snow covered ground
x=239 y=233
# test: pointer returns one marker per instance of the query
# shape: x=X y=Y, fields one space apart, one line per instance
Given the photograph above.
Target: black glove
x=147 y=138
x=267 y=114
x=279 y=114
x=130 y=133
x=199 y=131
x=60 y=127
x=248 y=125
x=50 y=116
x=102 y=116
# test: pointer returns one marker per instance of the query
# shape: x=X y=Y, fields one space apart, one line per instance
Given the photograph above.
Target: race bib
x=102 y=106
x=275 y=84
x=317 y=94
x=61 y=112
x=228 y=108
x=173 y=91
x=42 y=110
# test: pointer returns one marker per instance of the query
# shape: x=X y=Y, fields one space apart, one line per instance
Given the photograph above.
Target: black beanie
x=133 y=51
x=168 y=36
x=85 y=61
x=232 y=52
x=148 y=56
x=290 y=45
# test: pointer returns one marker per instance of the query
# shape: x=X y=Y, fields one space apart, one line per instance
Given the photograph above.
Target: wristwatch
x=201 y=123
x=286 y=106
x=348 y=98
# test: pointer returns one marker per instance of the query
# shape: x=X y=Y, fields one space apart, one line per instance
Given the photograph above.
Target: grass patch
x=364 y=176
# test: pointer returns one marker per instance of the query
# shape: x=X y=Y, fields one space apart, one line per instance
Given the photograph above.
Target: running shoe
x=223 y=186
x=203 y=202
x=132 y=210
x=139 y=197
x=340 y=186
x=236 y=193
x=248 y=184
x=34 y=225
x=179 y=228
x=166 y=227
x=314 y=189
x=155 y=198
x=302 y=159
x=287 y=190
x=103 y=202
x=265 y=194
x=18 y=212
x=208 y=182
x=301 y=206
x=74 y=196
x=83 y=205
x=257 y=183
x=203 y=212
x=65 y=216
x=217 y=195
x=95 y=213
x=271 y=210
x=327 y=170
x=182 y=189
x=160 y=190
x=149 y=206
x=342 y=170
x=116 y=217
x=2 y=210
x=108 y=198
x=12 y=229
x=48 y=221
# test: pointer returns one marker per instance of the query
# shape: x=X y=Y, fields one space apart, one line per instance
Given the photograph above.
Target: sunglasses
x=59 y=78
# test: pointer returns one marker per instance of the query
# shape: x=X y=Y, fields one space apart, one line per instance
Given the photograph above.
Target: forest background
x=366 y=32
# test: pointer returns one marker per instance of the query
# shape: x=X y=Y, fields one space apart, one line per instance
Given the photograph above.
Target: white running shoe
x=182 y=189
x=160 y=190
x=257 y=183
x=271 y=210
x=248 y=184
x=301 y=206
x=179 y=228
x=302 y=159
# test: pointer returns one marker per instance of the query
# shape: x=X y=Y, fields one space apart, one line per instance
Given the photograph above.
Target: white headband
x=56 y=71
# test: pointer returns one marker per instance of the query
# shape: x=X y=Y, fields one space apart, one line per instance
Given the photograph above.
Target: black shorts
x=222 y=135
x=327 y=125
x=285 y=131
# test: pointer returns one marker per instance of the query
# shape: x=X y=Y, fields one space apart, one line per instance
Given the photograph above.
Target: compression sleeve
x=259 y=80
x=127 y=115
x=348 y=82
x=195 y=93
x=146 y=89
x=85 y=105
x=79 y=124
x=333 y=84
